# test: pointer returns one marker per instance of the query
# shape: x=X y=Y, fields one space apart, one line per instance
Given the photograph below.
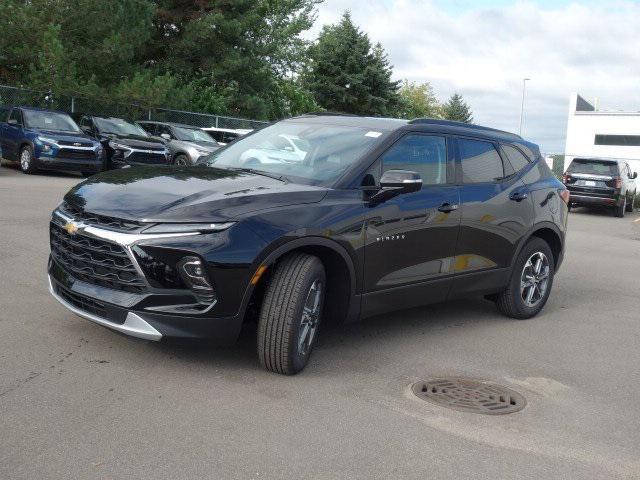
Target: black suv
x=375 y=215
x=125 y=143
x=601 y=182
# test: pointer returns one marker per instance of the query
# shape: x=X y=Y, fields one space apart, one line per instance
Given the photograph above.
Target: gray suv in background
x=186 y=142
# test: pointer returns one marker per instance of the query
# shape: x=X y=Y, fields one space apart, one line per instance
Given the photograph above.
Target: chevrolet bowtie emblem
x=71 y=228
x=77 y=144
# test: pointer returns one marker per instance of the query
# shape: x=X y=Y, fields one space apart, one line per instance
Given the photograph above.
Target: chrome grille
x=95 y=261
x=100 y=220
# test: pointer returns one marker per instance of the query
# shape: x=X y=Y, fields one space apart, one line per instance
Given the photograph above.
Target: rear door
x=411 y=238
x=496 y=212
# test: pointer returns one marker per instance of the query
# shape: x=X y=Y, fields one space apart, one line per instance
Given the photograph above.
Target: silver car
x=186 y=143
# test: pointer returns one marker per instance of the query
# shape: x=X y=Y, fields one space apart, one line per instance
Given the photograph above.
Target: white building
x=596 y=133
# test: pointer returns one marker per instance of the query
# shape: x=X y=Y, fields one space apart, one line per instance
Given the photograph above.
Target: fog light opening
x=194 y=275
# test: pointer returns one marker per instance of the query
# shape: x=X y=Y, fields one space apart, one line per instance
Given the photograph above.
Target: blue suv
x=47 y=140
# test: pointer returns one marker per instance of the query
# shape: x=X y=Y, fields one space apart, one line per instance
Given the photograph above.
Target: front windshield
x=55 y=121
x=118 y=126
x=308 y=153
x=192 y=135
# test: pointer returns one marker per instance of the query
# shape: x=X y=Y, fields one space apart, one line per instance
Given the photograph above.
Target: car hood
x=136 y=141
x=199 y=145
x=65 y=136
x=172 y=194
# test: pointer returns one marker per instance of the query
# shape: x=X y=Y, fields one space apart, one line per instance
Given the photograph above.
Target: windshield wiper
x=282 y=178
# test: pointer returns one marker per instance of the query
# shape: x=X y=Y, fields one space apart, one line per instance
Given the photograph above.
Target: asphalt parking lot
x=78 y=401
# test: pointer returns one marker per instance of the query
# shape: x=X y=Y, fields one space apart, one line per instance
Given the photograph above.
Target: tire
x=291 y=313
x=631 y=204
x=512 y=302
x=27 y=160
x=569 y=207
x=181 y=160
x=620 y=209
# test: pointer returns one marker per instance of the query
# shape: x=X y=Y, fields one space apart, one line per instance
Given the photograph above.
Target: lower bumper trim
x=134 y=325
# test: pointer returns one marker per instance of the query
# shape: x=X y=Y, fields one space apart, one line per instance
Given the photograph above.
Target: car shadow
x=45 y=173
x=363 y=335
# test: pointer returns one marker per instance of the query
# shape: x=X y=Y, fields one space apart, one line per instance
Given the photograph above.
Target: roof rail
x=451 y=123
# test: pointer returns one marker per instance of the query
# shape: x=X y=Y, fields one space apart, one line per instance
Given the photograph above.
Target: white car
x=226 y=135
x=280 y=149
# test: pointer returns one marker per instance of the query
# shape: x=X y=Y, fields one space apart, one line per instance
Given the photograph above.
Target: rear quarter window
x=516 y=158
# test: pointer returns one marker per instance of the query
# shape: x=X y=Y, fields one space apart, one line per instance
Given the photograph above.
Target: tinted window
x=618 y=140
x=593 y=167
x=516 y=158
x=480 y=161
x=424 y=154
x=150 y=128
x=15 y=115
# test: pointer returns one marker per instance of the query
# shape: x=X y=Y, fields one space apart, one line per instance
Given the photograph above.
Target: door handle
x=519 y=196
x=447 y=208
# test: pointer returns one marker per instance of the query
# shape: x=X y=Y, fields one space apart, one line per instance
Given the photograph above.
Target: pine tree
x=346 y=74
x=457 y=109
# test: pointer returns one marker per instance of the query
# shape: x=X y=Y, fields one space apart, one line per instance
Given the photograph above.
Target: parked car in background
x=381 y=215
x=601 y=182
x=47 y=140
x=226 y=135
x=125 y=143
x=187 y=143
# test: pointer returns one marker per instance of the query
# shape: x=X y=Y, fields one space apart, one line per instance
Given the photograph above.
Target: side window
x=424 y=154
x=517 y=160
x=480 y=161
x=150 y=128
x=228 y=137
x=164 y=129
x=16 y=115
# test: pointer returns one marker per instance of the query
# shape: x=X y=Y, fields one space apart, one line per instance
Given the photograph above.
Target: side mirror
x=12 y=121
x=397 y=182
x=166 y=136
x=634 y=175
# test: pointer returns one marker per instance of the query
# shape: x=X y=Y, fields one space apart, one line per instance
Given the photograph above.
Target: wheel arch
x=551 y=234
x=340 y=302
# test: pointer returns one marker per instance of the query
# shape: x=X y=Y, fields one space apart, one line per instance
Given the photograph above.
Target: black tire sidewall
x=182 y=156
x=298 y=360
x=534 y=245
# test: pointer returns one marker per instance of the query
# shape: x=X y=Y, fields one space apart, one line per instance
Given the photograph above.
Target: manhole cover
x=469 y=395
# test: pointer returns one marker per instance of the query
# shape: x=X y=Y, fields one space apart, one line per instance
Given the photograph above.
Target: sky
x=483 y=49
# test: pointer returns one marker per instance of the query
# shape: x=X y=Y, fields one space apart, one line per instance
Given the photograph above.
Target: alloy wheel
x=310 y=318
x=535 y=279
x=25 y=159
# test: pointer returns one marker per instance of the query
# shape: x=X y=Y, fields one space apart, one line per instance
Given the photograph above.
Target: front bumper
x=70 y=164
x=133 y=325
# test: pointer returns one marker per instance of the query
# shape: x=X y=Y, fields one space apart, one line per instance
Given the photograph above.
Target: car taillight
x=564 y=195
x=566 y=178
x=618 y=182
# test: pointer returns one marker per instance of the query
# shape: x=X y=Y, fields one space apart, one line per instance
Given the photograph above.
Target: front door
x=411 y=238
x=11 y=135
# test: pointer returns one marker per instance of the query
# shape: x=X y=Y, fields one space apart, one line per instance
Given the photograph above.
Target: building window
x=618 y=140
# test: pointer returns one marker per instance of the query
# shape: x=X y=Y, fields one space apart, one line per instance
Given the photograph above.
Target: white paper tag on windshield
x=373 y=134
x=48 y=120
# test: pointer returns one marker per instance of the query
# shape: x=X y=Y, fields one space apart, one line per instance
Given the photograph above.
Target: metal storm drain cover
x=468 y=395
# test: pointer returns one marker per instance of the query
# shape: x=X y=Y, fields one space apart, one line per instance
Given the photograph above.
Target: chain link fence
x=77 y=106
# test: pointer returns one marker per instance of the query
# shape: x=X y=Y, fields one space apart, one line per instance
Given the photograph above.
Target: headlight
x=203 y=152
x=47 y=140
x=188 y=227
x=118 y=146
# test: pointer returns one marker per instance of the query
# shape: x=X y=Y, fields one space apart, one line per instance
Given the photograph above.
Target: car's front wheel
x=182 y=160
x=530 y=283
x=291 y=313
x=631 y=204
x=27 y=160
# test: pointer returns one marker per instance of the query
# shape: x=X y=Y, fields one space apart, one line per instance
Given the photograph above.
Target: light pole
x=524 y=88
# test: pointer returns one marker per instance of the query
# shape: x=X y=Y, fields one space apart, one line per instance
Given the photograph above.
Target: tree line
x=230 y=57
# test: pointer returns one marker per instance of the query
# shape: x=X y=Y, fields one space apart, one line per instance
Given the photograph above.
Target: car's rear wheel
x=530 y=283
x=620 y=209
x=27 y=160
x=182 y=160
x=291 y=313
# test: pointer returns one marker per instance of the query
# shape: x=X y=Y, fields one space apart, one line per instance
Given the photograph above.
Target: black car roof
x=171 y=124
x=423 y=124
